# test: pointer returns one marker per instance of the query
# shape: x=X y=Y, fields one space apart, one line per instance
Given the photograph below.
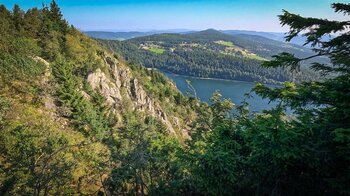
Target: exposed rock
x=85 y=95
x=138 y=93
x=49 y=103
x=99 y=81
x=145 y=103
x=121 y=78
x=115 y=72
x=41 y=60
x=110 y=86
x=48 y=100
x=47 y=73
x=51 y=109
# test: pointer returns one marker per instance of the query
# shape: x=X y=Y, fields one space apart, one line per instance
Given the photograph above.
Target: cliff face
x=121 y=85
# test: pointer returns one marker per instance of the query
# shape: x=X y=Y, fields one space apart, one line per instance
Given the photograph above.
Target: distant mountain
x=260 y=45
x=271 y=35
x=116 y=35
x=211 y=53
x=130 y=34
x=278 y=36
x=209 y=34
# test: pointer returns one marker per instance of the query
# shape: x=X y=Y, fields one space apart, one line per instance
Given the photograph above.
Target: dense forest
x=212 y=54
x=76 y=119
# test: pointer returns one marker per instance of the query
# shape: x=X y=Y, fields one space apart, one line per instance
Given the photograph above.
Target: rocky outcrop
x=108 y=88
x=140 y=96
x=47 y=73
x=117 y=84
x=51 y=109
x=120 y=80
x=146 y=104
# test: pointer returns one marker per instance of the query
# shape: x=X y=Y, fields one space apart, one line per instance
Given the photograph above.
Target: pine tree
x=6 y=25
x=17 y=17
x=56 y=17
x=5 y=17
x=32 y=22
x=321 y=127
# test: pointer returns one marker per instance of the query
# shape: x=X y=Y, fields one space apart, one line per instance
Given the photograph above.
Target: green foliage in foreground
x=272 y=153
x=54 y=139
x=276 y=154
x=84 y=152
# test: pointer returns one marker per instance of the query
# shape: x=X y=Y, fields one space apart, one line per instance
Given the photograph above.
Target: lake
x=229 y=89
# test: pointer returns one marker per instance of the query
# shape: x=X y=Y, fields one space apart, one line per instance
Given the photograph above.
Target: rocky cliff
x=120 y=85
x=72 y=113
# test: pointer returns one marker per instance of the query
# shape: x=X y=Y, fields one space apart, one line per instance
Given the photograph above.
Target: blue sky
x=125 y=15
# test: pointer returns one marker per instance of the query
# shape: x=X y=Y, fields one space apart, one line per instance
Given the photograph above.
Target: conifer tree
x=319 y=163
x=32 y=22
x=17 y=17
x=5 y=23
x=56 y=17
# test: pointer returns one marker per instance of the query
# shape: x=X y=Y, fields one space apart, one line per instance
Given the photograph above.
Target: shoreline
x=220 y=79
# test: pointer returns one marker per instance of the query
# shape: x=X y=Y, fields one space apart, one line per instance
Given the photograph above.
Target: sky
x=146 y=15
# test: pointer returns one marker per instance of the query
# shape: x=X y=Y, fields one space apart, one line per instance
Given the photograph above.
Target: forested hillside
x=213 y=54
x=116 y=35
x=277 y=36
x=77 y=120
x=73 y=115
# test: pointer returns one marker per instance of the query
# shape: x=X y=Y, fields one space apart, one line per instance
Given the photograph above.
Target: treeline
x=55 y=139
x=199 y=62
x=80 y=149
x=42 y=154
x=42 y=32
x=261 y=46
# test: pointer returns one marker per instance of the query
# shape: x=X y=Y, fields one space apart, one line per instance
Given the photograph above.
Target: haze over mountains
x=124 y=35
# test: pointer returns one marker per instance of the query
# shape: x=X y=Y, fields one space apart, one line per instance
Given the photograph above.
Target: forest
x=78 y=119
x=213 y=54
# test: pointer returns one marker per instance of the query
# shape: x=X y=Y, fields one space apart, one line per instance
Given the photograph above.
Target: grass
x=254 y=56
x=232 y=49
x=224 y=43
x=156 y=50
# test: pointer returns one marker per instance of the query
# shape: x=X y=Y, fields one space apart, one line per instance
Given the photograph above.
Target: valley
x=229 y=89
x=213 y=54
x=206 y=112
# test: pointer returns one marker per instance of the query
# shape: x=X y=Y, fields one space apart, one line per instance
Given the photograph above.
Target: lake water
x=234 y=90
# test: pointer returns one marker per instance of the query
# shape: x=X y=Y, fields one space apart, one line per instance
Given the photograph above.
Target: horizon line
x=166 y=29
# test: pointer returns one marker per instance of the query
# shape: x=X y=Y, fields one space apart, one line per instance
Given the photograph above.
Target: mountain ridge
x=211 y=53
x=123 y=35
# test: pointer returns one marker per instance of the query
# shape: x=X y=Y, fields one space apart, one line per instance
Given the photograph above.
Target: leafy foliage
x=82 y=147
x=58 y=134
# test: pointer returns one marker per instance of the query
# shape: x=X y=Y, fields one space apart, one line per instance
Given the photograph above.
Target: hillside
x=116 y=35
x=76 y=119
x=213 y=54
x=69 y=108
x=277 y=36
x=124 y=35
x=109 y=35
